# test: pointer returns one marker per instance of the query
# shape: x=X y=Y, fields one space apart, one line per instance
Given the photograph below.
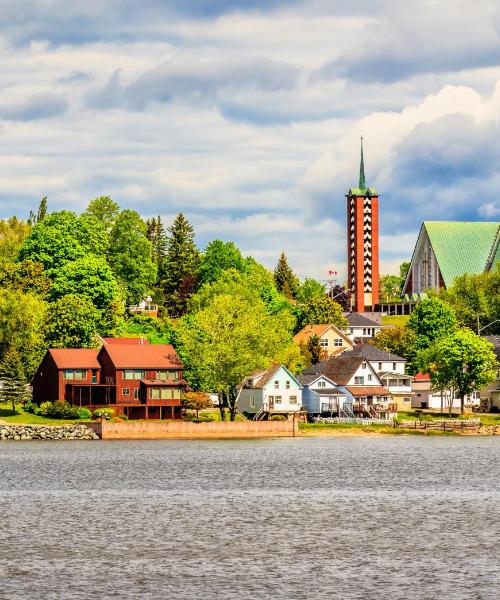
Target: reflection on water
x=346 y=518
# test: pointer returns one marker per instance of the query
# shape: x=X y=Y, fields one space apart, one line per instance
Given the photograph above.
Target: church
x=447 y=249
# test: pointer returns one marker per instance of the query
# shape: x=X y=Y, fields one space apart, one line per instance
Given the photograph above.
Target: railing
x=143 y=309
x=353 y=421
x=443 y=425
x=259 y=415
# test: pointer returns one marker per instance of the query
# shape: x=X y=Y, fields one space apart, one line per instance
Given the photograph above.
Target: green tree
x=22 y=322
x=130 y=256
x=400 y=341
x=310 y=289
x=157 y=236
x=180 y=266
x=342 y=295
x=226 y=341
x=319 y=310
x=89 y=277
x=431 y=319
x=72 y=322
x=286 y=281
x=315 y=350
x=218 y=257
x=104 y=209
x=40 y=215
x=389 y=287
x=462 y=361
x=27 y=276
x=14 y=388
x=13 y=232
x=404 y=267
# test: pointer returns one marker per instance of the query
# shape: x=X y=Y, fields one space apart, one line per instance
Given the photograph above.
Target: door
x=271 y=402
x=94 y=376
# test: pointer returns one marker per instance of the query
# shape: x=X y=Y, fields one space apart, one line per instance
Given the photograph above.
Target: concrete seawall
x=155 y=430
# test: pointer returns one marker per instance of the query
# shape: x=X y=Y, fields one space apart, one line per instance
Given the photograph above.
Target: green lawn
x=383 y=429
x=27 y=418
x=215 y=414
x=399 y=320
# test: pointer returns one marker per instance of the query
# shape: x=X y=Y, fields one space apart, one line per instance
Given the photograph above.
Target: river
x=345 y=518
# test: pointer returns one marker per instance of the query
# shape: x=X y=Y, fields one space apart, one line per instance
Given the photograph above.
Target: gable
x=364 y=372
x=281 y=374
x=322 y=379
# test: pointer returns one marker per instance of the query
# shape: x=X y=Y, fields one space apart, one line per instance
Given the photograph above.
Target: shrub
x=194 y=419
x=31 y=407
x=122 y=417
x=103 y=413
x=58 y=410
x=84 y=413
x=277 y=418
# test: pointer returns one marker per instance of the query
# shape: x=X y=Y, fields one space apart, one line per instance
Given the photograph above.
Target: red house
x=139 y=381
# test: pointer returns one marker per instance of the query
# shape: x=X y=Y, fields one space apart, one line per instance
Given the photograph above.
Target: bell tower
x=362 y=243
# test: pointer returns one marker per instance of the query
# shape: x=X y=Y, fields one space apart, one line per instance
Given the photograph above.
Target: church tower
x=362 y=243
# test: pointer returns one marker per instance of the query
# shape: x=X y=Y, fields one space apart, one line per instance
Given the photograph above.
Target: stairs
x=261 y=413
x=346 y=412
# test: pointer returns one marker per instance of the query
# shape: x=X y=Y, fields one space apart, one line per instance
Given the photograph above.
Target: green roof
x=370 y=191
x=462 y=247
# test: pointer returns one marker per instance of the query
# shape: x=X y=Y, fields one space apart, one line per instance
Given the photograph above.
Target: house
x=356 y=378
x=390 y=369
x=447 y=249
x=139 y=381
x=425 y=397
x=361 y=327
x=321 y=396
x=271 y=391
x=491 y=393
x=332 y=340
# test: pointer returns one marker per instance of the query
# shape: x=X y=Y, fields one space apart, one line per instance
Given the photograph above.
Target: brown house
x=139 y=381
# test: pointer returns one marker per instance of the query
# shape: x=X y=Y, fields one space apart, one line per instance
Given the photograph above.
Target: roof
x=384 y=374
x=461 y=246
x=337 y=368
x=308 y=379
x=75 y=358
x=422 y=377
x=138 y=341
x=327 y=391
x=495 y=340
x=358 y=320
x=150 y=356
x=375 y=390
x=262 y=378
x=368 y=191
x=319 y=329
x=373 y=353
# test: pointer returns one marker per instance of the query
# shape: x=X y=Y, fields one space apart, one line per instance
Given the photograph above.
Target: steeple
x=362 y=180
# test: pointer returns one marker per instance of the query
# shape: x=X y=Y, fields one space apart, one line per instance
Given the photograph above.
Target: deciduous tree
x=13 y=232
x=400 y=341
x=431 y=319
x=218 y=257
x=319 y=310
x=104 y=209
x=196 y=401
x=72 y=322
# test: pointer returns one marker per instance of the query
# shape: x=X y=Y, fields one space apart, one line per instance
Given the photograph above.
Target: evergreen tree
x=14 y=387
x=40 y=215
x=315 y=350
x=284 y=277
x=157 y=236
x=182 y=259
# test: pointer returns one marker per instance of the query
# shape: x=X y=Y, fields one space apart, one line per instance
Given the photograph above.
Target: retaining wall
x=47 y=432
x=154 y=430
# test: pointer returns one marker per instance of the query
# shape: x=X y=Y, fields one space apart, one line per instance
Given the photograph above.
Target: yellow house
x=331 y=338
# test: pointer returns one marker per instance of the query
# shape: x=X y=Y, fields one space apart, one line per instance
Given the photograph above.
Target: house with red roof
x=141 y=381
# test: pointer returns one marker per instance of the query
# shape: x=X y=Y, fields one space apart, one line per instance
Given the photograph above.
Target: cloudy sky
x=246 y=115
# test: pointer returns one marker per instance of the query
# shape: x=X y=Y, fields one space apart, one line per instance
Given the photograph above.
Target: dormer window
x=322 y=384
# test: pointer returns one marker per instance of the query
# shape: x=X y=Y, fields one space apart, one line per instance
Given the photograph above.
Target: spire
x=362 y=181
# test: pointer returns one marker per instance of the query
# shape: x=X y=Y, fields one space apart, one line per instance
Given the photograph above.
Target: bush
x=194 y=419
x=84 y=413
x=30 y=407
x=277 y=418
x=122 y=417
x=58 y=410
x=103 y=413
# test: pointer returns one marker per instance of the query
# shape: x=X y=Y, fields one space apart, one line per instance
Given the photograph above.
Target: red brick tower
x=362 y=243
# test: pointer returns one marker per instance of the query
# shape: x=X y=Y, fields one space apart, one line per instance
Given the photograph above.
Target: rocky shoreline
x=46 y=432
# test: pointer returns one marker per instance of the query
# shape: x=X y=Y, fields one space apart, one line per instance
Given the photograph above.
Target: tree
x=180 y=266
x=130 y=256
x=430 y=320
x=13 y=232
x=72 y=322
x=462 y=361
x=226 y=341
x=104 y=209
x=26 y=276
x=321 y=310
x=40 y=215
x=218 y=257
x=14 y=388
x=400 y=341
x=196 y=401
x=315 y=350
x=310 y=289
x=89 y=277
x=157 y=236
x=389 y=287
x=404 y=267
x=286 y=281
x=22 y=322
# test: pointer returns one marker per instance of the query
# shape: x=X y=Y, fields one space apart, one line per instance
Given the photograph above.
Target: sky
x=246 y=115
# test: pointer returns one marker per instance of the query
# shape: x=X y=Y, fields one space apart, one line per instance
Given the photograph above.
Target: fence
x=353 y=421
x=443 y=425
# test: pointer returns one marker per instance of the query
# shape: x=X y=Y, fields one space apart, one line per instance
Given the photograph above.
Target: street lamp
x=486 y=326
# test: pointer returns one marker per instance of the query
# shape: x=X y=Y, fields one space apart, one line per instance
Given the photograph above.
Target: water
x=343 y=518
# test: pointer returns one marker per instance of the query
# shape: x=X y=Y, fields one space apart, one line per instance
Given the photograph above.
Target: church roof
x=462 y=247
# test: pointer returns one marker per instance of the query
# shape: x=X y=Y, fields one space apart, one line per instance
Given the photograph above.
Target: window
x=277 y=399
x=393 y=382
x=321 y=383
x=337 y=342
x=293 y=399
x=136 y=393
x=287 y=385
x=271 y=398
x=364 y=330
x=323 y=342
x=393 y=366
x=363 y=365
x=164 y=374
x=75 y=374
x=370 y=377
x=126 y=392
x=359 y=380
x=252 y=401
x=379 y=366
x=133 y=374
x=164 y=393
x=276 y=385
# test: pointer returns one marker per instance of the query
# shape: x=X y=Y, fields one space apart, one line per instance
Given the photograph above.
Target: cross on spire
x=362 y=180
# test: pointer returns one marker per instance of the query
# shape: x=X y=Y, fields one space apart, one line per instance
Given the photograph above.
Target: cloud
x=38 y=106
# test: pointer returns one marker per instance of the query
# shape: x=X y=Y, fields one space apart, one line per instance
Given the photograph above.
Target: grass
x=382 y=429
x=399 y=320
x=215 y=414
x=26 y=418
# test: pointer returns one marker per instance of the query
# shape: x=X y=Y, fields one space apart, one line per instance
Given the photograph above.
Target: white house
x=321 y=396
x=361 y=328
x=273 y=391
x=425 y=397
